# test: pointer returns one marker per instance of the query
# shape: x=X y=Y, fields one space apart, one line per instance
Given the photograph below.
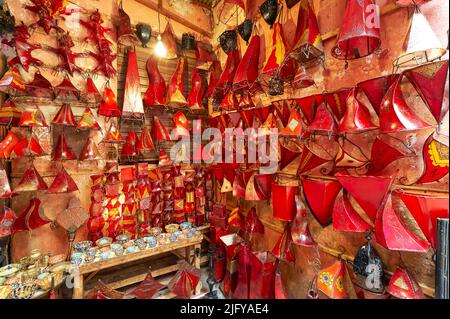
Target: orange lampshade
x=65 y=116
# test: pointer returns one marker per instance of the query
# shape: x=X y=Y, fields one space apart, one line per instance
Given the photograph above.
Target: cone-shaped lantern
x=294 y=125
x=91 y=93
x=62 y=150
x=28 y=147
x=324 y=121
x=125 y=34
x=309 y=161
x=331 y=281
x=145 y=142
x=113 y=135
x=302 y=79
x=5 y=187
x=40 y=87
x=214 y=76
x=282 y=249
x=287 y=157
x=426 y=210
x=393 y=234
x=185 y=280
x=181 y=124
x=345 y=218
x=247 y=71
x=156 y=91
x=320 y=197
x=169 y=41
x=421 y=44
x=375 y=89
x=195 y=97
x=9 y=114
x=8 y=144
x=308 y=45
x=132 y=101
x=204 y=57
x=231 y=12
x=65 y=116
x=7 y=220
x=395 y=113
x=356 y=117
x=269 y=11
x=300 y=226
x=225 y=81
x=66 y=90
x=359 y=35
x=31 y=181
x=90 y=151
x=159 y=131
x=88 y=121
x=129 y=148
x=175 y=95
x=403 y=285
x=12 y=82
x=63 y=183
x=108 y=106
x=283 y=202
x=33 y=118
x=361 y=188
x=435 y=155
x=31 y=218
x=382 y=155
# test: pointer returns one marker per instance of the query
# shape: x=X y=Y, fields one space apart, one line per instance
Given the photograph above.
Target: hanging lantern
x=308 y=47
x=382 y=155
x=62 y=150
x=368 y=268
x=63 y=183
x=231 y=12
x=9 y=114
x=181 y=124
x=395 y=113
x=320 y=197
x=90 y=151
x=309 y=161
x=175 y=95
x=300 y=227
x=228 y=41
x=159 y=131
x=361 y=188
x=31 y=218
x=40 y=87
x=356 y=117
x=287 y=157
x=435 y=155
x=346 y=160
x=12 y=82
x=345 y=217
x=125 y=34
x=7 y=219
x=247 y=71
x=375 y=89
x=144 y=33
x=294 y=125
x=225 y=81
x=31 y=181
x=421 y=44
x=8 y=144
x=245 y=30
x=5 y=187
x=195 y=97
x=269 y=11
x=283 y=202
x=170 y=42
x=403 y=285
x=88 y=121
x=156 y=91
x=324 y=121
x=91 y=93
x=66 y=90
x=33 y=118
x=302 y=79
x=229 y=102
x=145 y=142
x=113 y=135
x=282 y=249
x=164 y=160
x=65 y=116
x=132 y=102
x=426 y=210
x=331 y=281
x=28 y=147
x=108 y=106
x=359 y=35
x=214 y=76
x=276 y=86
x=402 y=239
x=129 y=148
x=204 y=58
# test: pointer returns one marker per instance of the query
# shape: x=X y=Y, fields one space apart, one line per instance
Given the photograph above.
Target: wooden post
x=78 y=286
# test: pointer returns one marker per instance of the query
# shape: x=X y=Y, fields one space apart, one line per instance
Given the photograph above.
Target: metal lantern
x=7 y=21
x=276 y=86
x=228 y=40
x=269 y=11
x=232 y=12
x=245 y=29
x=144 y=33
x=125 y=35
x=188 y=41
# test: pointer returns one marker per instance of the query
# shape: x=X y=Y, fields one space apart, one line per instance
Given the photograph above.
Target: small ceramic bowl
x=24 y=291
x=92 y=251
x=173 y=238
x=128 y=244
x=189 y=235
x=89 y=258
x=155 y=231
x=171 y=228
x=105 y=255
x=141 y=243
x=186 y=225
x=122 y=239
x=55 y=259
x=104 y=242
x=76 y=259
x=151 y=241
x=117 y=249
x=131 y=250
x=82 y=246
x=164 y=240
x=9 y=270
x=181 y=237
x=60 y=267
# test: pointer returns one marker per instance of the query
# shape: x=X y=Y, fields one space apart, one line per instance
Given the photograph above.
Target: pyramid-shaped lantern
x=308 y=47
x=33 y=118
x=12 y=82
x=225 y=81
x=7 y=220
x=421 y=44
x=91 y=93
x=64 y=116
x=28 y=146
x=159 y=131
x=300 y=227
x=40 y=87
x=132 y=102
x=145 y=142
x=170 y=42
x=359 y=35
x=204 y=57
x=8 y=143
x=90 y=151
x=113 y=135
x=63 y=183
x=108 y=106
x=5 y=187
x=195 y=97
x=331 y=281
x=156 y=91
x=31 y=218
x=294 y=125
x=175 y=95
x=88 y=121
x=356 y=117
x=247 y=71
x=62 y=150
x=9 y=114
x=129 y=148
x=324 y=121
x=66 y=90
x=31 y=181
x=229 y=102
x=125 y=34
x=181 y=124
x=403 y=285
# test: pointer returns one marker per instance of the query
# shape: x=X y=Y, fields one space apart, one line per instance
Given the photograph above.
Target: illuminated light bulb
x=160 y=49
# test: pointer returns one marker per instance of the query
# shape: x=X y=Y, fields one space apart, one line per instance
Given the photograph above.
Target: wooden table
x=90 y=270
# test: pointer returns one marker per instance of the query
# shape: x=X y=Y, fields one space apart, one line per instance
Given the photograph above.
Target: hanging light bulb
x=160 y=49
